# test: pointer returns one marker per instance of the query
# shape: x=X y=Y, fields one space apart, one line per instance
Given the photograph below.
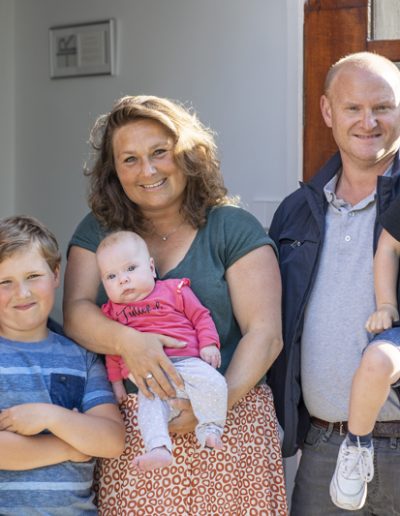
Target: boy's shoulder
x=68 y=344
x=63 y=340
x=53 y=338
x=54 y=345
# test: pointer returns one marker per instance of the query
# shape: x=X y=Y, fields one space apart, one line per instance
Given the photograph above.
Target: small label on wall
x=83 y=49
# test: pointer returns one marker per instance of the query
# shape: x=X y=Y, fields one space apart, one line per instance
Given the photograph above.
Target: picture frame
x=82 y=49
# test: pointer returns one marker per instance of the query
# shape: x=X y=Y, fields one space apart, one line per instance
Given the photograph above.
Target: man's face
x=27 y=288
x=363 y=109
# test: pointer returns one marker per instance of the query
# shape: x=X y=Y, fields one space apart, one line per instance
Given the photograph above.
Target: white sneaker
x=354 y=468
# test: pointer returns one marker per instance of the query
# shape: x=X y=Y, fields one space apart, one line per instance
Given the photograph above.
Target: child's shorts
x=391 y=335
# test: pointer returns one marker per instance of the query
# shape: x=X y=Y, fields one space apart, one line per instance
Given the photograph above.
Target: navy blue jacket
x=298 y=230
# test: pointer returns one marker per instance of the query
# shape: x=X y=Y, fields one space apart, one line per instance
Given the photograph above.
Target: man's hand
x=382 y=319
x=211 y=355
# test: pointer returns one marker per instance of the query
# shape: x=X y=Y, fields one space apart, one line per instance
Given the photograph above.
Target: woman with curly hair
x=156 y=172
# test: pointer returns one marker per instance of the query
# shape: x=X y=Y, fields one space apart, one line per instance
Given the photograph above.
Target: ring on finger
x=148 y=376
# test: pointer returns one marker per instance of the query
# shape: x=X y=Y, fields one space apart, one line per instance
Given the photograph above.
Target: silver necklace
x=164 y=238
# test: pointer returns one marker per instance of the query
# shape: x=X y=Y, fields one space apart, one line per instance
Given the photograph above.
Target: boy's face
x=126 y=270
x=27 y=289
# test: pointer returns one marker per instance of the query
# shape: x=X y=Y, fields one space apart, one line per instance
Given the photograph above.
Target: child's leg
x=378 y=370
x=153 y=423
x=208 y=394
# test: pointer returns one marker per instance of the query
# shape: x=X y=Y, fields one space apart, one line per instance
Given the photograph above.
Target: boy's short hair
x=21 y=231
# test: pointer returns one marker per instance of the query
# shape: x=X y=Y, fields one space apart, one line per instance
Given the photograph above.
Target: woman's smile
x=153 y=186
x=144 y=157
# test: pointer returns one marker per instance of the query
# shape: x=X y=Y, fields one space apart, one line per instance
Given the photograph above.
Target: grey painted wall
x=235 y=61
x=7 y=113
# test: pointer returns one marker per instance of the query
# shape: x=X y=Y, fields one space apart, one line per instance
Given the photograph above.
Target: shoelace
x=357 y=458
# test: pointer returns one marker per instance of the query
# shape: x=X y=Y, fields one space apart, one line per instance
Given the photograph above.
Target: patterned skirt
x=245 y=478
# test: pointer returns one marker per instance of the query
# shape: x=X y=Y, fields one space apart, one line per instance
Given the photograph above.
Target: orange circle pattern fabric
x=244 y=479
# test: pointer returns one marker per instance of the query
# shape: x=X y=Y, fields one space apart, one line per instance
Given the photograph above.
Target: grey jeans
x=317 y=464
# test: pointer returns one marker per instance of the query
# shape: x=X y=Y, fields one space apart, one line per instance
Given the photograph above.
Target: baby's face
x=127 y=271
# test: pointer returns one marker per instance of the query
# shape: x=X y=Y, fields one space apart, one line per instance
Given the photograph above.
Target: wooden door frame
x=332 y=29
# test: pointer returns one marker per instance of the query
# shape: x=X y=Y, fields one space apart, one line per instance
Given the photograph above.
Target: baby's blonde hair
x=118 y=236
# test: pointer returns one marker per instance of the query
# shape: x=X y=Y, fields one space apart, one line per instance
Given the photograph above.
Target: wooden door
x=332 y=29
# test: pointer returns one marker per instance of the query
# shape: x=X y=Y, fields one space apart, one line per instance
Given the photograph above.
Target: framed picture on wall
x=82 y=49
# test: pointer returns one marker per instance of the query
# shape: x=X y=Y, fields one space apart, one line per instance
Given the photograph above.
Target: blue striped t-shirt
x=58 y=371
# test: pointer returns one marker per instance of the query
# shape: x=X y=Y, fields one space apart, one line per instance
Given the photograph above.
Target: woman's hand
x=150 y=365
x=186 y=421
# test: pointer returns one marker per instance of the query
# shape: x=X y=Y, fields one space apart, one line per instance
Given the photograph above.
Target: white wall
x=7 y=114
x=235 y=61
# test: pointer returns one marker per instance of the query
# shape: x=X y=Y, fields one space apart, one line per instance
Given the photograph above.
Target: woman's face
x=146 y=168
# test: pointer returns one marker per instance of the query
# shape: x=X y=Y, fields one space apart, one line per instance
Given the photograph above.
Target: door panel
x=332 y=29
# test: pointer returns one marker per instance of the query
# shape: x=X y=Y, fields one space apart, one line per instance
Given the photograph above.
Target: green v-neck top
x=229 y=234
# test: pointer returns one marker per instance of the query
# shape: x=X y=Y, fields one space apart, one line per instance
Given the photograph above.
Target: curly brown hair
x=195 y=153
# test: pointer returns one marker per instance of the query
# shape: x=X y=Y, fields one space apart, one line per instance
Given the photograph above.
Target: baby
x=167 y=307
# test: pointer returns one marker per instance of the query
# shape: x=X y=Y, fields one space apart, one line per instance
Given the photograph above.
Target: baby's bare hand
x=211 y=355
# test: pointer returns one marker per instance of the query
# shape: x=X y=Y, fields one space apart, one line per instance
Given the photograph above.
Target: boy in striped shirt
x=57 y=409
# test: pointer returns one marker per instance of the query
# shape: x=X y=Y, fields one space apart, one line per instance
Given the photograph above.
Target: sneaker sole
x=348 y=507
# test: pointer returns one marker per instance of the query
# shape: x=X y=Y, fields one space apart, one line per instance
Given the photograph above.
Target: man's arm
x=19 y=452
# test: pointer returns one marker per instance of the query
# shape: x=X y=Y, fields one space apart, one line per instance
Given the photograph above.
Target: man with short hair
x=327 y=232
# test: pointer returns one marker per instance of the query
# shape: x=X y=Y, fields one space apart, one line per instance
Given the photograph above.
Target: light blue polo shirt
x=342 y=299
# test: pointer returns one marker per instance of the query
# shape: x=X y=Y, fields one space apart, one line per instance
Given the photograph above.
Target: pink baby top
x=171 y=309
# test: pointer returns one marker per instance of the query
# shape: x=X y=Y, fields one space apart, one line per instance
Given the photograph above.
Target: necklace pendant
x=164 y=238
